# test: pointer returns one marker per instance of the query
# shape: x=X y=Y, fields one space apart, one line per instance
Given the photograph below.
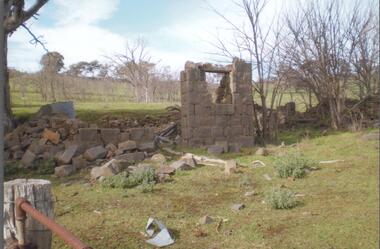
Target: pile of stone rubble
x=73 y=144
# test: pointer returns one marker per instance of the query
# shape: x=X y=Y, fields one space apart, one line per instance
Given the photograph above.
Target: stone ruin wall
x=228 y=120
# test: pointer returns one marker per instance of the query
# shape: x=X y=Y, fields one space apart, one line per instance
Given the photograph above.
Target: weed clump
x=292 y=165
x=281 y=198
x=124 y=180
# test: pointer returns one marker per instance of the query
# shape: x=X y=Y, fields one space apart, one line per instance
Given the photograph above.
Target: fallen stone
x=206 y=220
x=28 y=158
x=261 y=152
x=102 y=171
x=180 y=165
x=158 y=158
x=136 y=134
x=127 y=145
x=230 y=167
x=64 y=170
x=147 y=146
x=94 y=153
x=215 y=150
x=237 y=207
x=51 y=136
x=165 y=170
x=234 y=148
x=89 y=135
x=68 y=154
x=79 y=162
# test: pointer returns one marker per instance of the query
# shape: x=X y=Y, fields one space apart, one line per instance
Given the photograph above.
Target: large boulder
x=68 y=154
x=28 y=159
x=127 y=145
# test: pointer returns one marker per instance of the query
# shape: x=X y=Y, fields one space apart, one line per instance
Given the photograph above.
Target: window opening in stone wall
x=218 y=84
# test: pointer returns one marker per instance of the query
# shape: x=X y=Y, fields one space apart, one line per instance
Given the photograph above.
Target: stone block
x=245 y=141
x=94 y=153
x=124 y=136
x=132 y=157
x=68 y=154
x=146 y=146
x=215 y=150
x=79 y=162
x=28 y=159
x=89 y=135
x=127 y=145
x=51 y=136
x=217 y=132
x=110 y=135
x=148 y=134
x=223 y=144
x=136 y=134
x=224 y=109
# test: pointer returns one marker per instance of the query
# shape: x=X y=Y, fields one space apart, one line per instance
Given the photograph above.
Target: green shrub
x=125 y=180
x=281 y=198
x=292 y=165
x=44 y=167
x=146 y=187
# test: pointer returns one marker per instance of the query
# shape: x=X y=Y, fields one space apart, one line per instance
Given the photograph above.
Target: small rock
x=237 y=207
x=206 y=220
x=180 y=165
x=95 y=153
x=165 y=170
x=261 y=152
x=230 y=167
x=111 y=147
x=215 y=150
x=51 y=136
x=28 y=158
x=249 y=193
x=64 y=170
x=108 y=169
x=158 y=158
x=163 y=178
x=267 y=177
x=127 y=145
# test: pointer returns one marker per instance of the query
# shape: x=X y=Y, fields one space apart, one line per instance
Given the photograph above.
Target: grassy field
x=340 y=207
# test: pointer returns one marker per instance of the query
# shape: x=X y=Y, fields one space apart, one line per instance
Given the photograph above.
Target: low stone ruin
x=226 y=123
x=73 y=144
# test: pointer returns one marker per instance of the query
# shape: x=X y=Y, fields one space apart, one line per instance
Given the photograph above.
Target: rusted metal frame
x=23 y=207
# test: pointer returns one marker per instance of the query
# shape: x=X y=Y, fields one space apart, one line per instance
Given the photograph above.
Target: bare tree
x=365 y=61
x=258 y=44
x=319 y=48
x=135 y=68
x=15 y=16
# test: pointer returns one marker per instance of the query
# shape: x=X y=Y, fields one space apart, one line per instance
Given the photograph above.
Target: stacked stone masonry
x=228 y=119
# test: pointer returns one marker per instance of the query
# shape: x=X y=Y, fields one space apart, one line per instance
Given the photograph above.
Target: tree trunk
x=38 y=193
x=8 y=115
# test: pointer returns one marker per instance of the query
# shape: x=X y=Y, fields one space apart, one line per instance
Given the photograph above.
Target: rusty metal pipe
x=67 y=236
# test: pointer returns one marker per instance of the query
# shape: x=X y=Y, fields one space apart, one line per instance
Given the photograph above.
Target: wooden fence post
x=38 y=193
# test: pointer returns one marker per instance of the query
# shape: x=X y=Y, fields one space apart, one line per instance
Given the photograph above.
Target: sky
x=175 y=31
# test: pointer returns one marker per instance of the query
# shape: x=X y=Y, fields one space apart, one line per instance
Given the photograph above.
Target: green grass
x=339 y=209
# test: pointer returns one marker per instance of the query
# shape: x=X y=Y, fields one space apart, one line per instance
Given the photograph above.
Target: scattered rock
x=206 y=220
x=28 y=158
x=110 y=135
x=158 y=158
x=215 y=150
x=51 y=136
x=189 y=159
x=95 y=153
x=111 y=147
x=64 y=170
x=237 y=207
x=261 y=152
x=132 y=157
x=108 y=169
x=258 y=163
